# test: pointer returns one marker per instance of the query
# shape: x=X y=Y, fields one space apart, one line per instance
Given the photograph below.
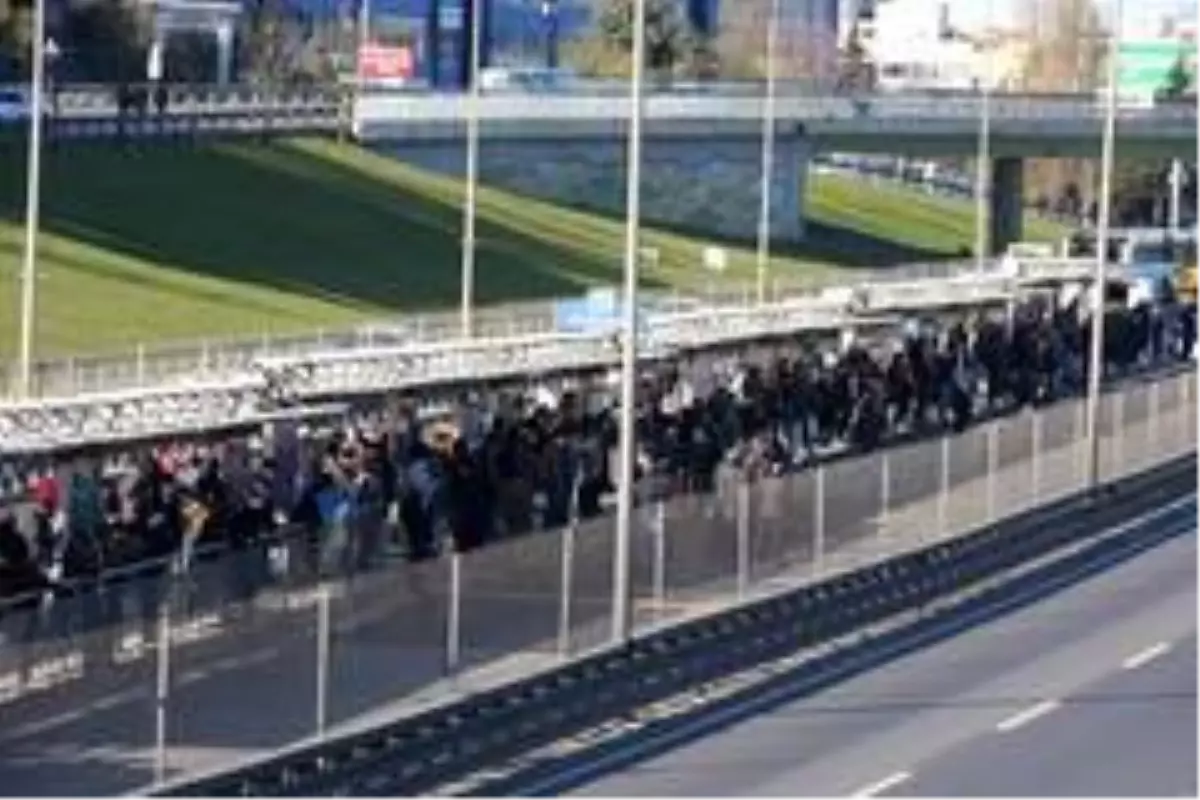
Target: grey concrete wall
x=1007 y=208
x=709 y=185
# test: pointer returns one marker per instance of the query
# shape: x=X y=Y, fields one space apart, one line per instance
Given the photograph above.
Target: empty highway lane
x=1090 y=692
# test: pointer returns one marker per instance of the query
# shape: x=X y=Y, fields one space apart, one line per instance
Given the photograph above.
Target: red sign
x=380 y=63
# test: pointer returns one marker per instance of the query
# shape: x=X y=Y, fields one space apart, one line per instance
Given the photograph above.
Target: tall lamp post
x=622 y=601
x=550 y=24
x=470 y=201
x=1100 y=277
x=768 y=156
x=1175 y=209
x=983 y=159
x=364 y=24
x=33 y=198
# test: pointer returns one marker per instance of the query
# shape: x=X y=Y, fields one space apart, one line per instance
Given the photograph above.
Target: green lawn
x=165 y=242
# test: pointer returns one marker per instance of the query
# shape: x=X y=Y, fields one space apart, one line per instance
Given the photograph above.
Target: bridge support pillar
x=706 y=185
x=1007 y=206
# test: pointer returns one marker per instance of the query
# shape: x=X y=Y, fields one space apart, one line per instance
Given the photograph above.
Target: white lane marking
x=1027 y=716
x=1144 y=657
x=890 y=782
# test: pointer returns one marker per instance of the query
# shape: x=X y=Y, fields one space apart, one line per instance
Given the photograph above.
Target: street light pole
x=364 y=23
x=622 y=601
x=1176 y=206
x=983 y=155
x=983 y=175
x=768 y=157
x=470 y=201
x=550 y=24
x=33 y=189
x=1100 y=278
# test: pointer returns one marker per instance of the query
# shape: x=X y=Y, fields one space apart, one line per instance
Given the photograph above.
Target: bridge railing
x=593 y=99
x=87 y=99
x=682 y=106
x=253 y=652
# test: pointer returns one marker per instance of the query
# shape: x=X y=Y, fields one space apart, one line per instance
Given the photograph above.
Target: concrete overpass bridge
x=702 y=154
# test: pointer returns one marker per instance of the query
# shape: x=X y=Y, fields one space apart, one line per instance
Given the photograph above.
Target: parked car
x=14 y=105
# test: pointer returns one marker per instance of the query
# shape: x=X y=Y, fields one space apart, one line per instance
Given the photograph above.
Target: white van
x=525 y=79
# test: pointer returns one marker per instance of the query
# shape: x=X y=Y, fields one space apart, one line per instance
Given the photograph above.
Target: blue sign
x=596 y=312
x=599 y=311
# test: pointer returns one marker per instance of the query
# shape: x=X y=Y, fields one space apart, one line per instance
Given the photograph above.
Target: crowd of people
x=499 y=464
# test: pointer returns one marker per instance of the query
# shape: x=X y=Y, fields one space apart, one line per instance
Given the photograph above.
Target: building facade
x=524 y=32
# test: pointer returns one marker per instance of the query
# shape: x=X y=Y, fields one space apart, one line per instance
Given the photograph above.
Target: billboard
x=382 y=63
x=1145 y=65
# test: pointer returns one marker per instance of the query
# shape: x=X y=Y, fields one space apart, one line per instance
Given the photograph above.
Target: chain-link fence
x=187 y=670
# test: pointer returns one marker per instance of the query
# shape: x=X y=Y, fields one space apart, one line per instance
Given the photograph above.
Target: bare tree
x=15 y=25
x=804 y=52
x=673 y=48
x=1067 y=47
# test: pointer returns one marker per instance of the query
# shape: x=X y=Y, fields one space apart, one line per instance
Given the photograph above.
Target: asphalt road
x=246 y=683
x=1090 y=692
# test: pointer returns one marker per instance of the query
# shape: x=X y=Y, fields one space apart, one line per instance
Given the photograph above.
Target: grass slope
x=161 y=242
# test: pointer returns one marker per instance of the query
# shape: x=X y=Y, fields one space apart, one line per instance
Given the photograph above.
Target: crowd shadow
x=281 y=216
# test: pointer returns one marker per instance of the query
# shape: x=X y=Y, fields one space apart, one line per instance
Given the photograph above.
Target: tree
x=274 y=43
x=855 y=71
x=741 y=44
x=1179 y=79
x=110 y=40
x=16 y=25
x=1066 y=51
x=670 y=41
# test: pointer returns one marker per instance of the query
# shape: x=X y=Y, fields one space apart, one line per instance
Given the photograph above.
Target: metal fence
x=156 y=365
x=236 y=657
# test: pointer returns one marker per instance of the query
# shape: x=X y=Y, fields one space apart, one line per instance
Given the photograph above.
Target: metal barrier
x=241 y=656
x=147 y=366
x=979 y=289
x=249 y=392
x=877 y=608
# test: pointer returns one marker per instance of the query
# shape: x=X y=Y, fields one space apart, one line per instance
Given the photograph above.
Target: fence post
x=885 y=493
x=743 y=538
x=1035 y=468
x=1152 y=403
x=566 y=577
x=993 y=468
x=659 y=576
x=943 y=501
x=1189 y=408
x=819 y=522
x=140 y=364
x=323 y=633
x=162 y=692
x=1081 y=445
x=1118 y=400
x=454 y=614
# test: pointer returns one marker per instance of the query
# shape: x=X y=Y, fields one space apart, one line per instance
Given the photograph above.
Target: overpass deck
x=1022 y=126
